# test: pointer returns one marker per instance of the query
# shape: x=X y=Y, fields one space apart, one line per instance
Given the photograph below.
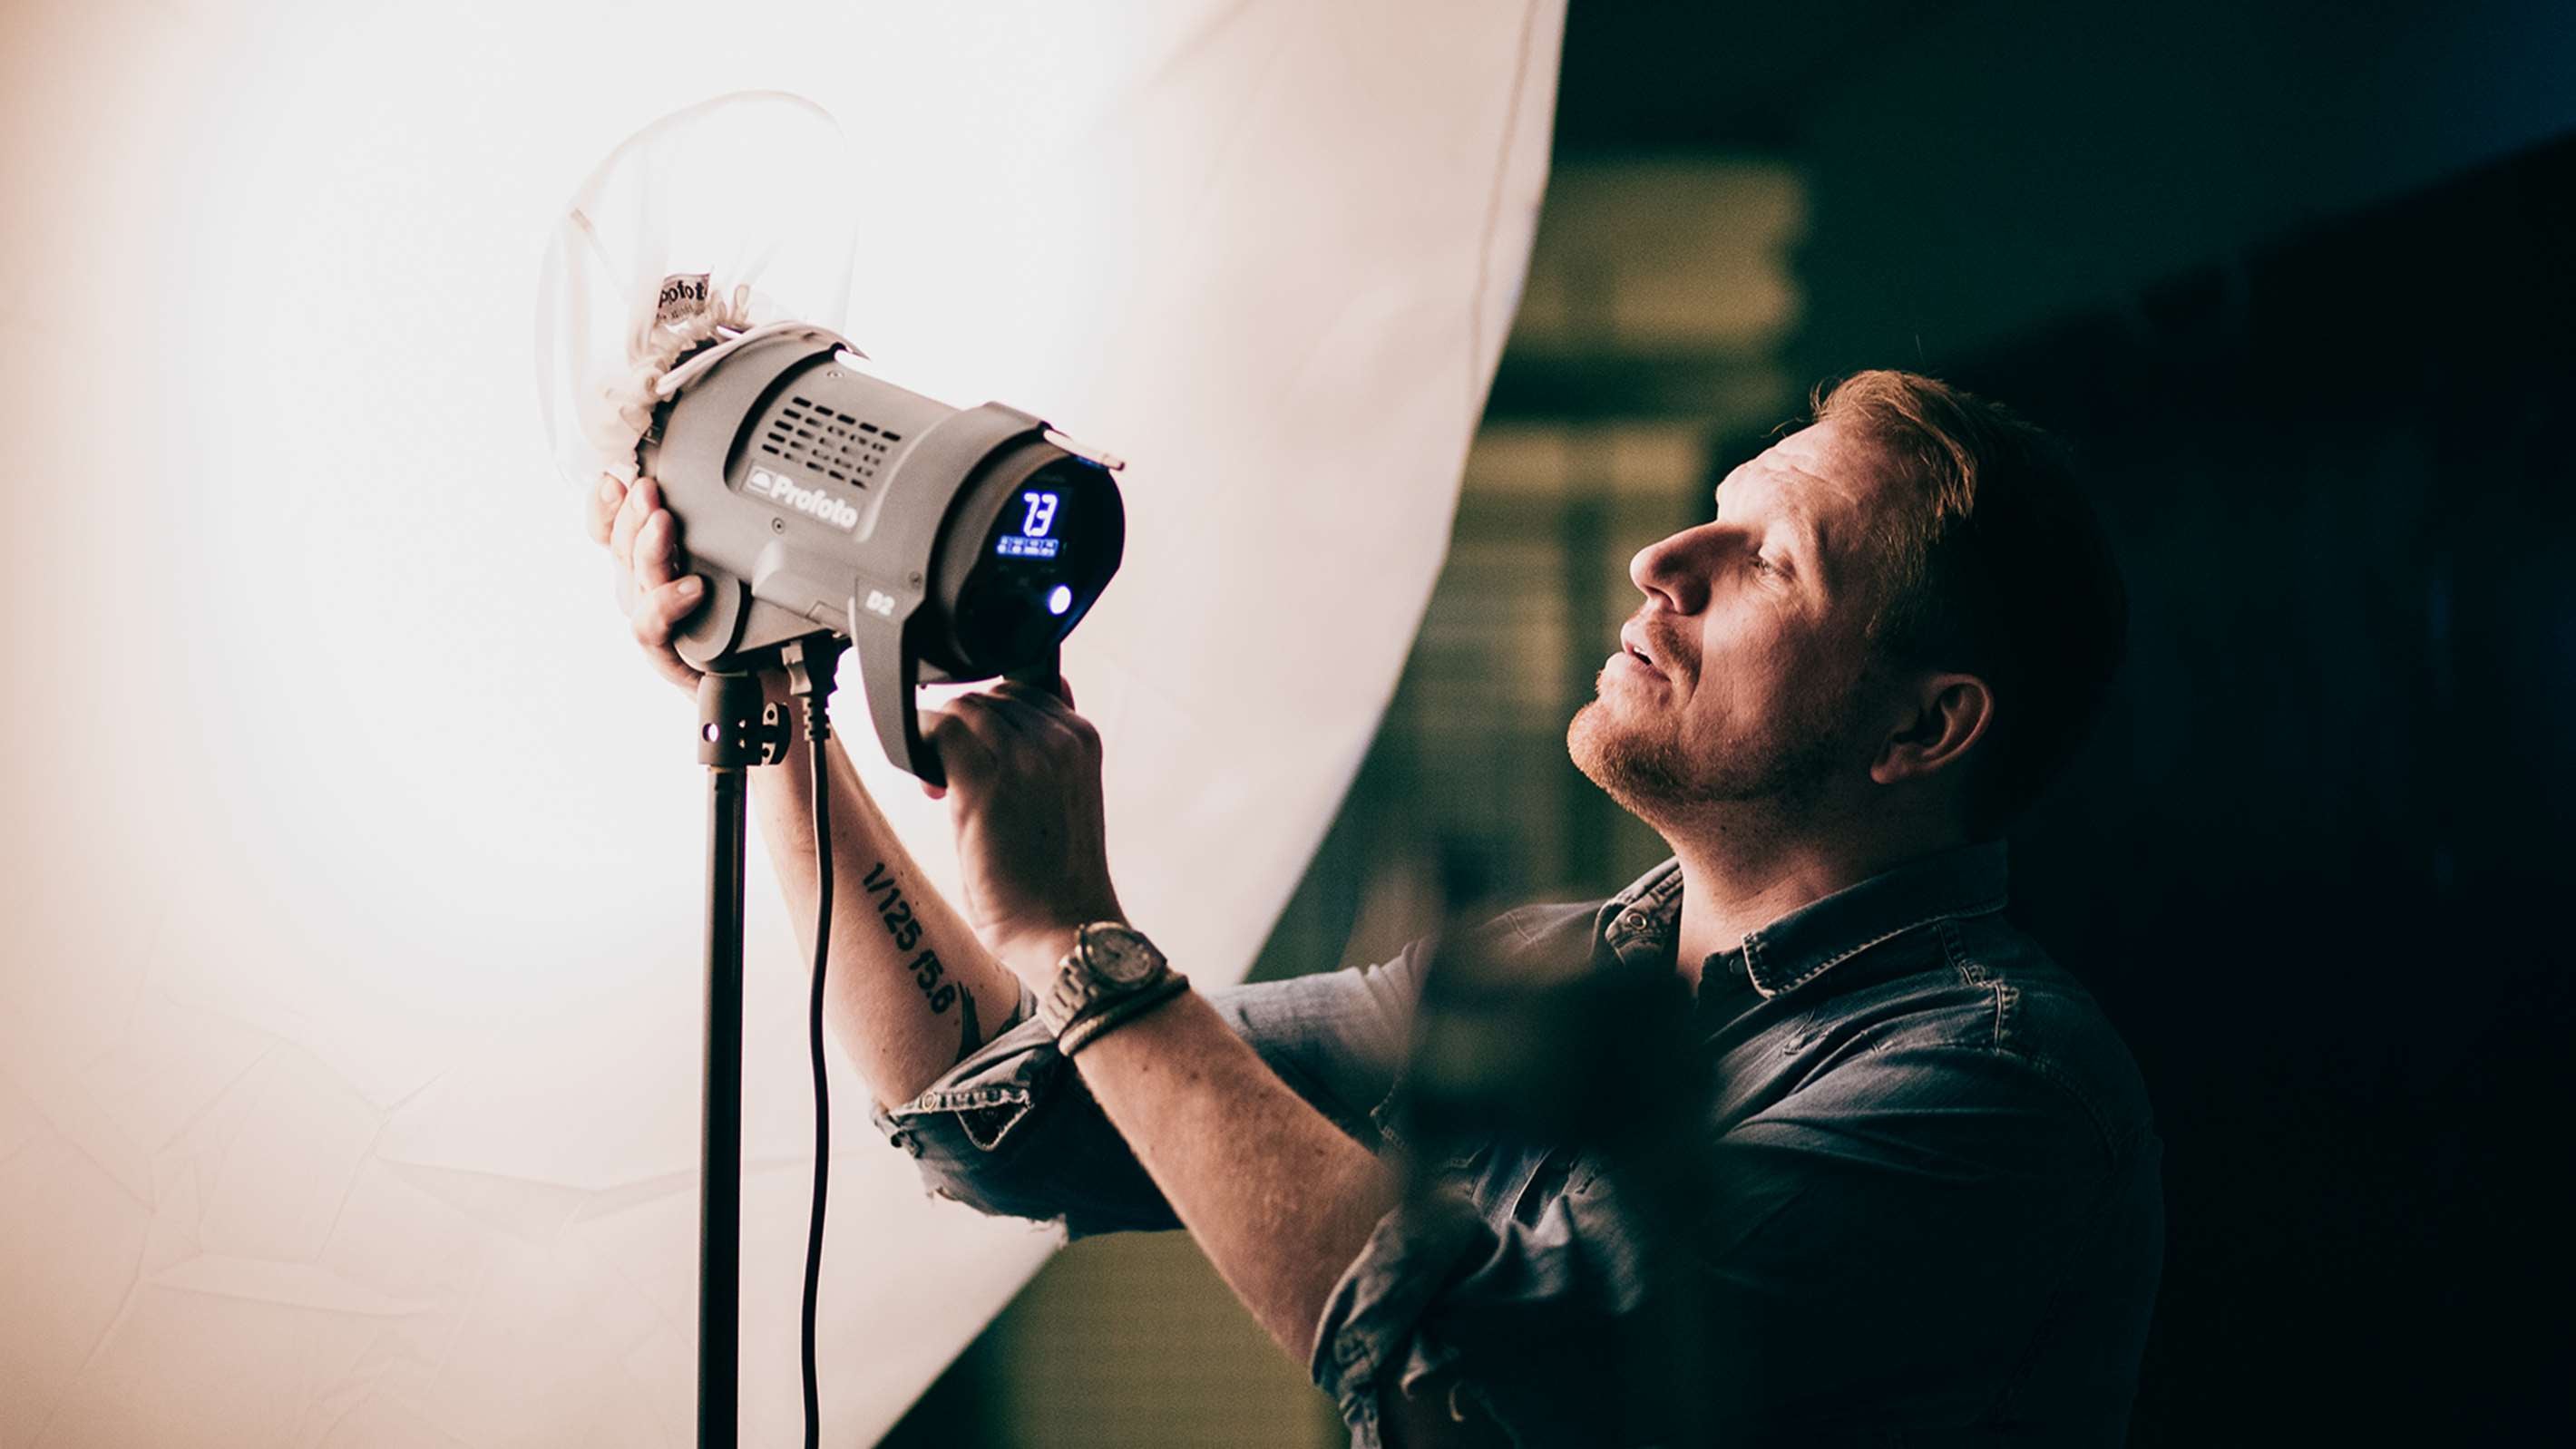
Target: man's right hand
x=656 y=596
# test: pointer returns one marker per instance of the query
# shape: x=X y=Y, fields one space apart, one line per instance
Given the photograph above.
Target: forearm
x=1277 y=1197
x=910 y=989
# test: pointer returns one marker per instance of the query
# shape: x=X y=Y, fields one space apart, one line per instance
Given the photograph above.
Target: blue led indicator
x=1060 y=600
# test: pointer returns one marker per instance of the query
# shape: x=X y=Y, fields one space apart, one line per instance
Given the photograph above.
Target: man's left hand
x=1024 y=796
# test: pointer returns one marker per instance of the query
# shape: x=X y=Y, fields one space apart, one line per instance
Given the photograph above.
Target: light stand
x=738 y=727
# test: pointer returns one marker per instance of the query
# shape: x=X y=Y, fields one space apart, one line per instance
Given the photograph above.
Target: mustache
x=1668 y=651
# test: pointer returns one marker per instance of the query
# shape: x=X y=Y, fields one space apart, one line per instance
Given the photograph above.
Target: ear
x=1937 y=720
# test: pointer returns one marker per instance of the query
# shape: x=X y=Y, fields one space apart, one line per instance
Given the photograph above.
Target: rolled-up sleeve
x=1012 y=1131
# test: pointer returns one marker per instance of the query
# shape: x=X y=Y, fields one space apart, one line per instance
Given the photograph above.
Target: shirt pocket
x=1454 y=1159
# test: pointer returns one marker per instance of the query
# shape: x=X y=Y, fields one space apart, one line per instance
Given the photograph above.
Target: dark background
x=2315 y=866
x=2299 y=284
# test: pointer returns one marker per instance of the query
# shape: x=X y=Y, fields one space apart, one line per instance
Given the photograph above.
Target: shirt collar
x=1811 y=940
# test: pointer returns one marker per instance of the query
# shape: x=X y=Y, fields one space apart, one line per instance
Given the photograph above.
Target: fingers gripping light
x=946 y=544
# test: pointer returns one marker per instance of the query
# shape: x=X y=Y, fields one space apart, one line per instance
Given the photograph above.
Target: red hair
x=1993 y=564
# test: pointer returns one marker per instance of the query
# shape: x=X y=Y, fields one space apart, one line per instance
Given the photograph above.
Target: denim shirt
x=1923 y=1204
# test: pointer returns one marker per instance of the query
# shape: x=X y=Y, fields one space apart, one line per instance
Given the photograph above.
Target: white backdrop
x=349 y=1020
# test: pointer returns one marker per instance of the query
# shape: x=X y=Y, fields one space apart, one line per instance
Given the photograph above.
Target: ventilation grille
x=827 y=444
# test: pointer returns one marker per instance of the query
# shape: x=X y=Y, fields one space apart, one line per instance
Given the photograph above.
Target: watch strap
x=1067 y=996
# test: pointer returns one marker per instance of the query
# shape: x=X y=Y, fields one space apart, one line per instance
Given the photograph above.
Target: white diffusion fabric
x=350 y=1013
x=709 y=215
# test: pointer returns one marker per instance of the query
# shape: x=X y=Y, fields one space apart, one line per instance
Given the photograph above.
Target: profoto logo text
x=814 y=503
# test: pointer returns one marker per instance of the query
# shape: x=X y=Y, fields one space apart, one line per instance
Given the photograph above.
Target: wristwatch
x=1112 y=974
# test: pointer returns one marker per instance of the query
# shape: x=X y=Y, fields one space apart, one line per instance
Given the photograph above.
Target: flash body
x=946 y=544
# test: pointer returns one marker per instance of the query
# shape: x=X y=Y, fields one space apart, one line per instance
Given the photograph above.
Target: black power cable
x=811 y=665
x=822 y=1091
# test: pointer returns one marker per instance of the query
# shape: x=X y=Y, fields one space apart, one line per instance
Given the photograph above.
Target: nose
x=1674 y=570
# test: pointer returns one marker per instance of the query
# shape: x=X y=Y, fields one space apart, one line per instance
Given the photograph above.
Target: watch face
x=1120 y=957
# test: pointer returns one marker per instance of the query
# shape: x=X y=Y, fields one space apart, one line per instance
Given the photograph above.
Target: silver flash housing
x=946 y=544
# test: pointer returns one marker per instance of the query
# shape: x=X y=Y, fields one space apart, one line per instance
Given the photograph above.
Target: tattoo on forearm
x=906 y=934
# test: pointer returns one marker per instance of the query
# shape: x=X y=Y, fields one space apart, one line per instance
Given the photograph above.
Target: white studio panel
x=349 y=1019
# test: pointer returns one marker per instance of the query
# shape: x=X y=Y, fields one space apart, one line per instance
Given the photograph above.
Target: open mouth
x=1634 y=647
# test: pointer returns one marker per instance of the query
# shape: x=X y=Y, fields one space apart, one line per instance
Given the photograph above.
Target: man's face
x=1737 y=678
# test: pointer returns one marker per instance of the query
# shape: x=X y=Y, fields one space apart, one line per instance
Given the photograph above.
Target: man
x=1922 y=1201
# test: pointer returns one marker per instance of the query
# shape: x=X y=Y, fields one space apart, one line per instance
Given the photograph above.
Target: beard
x=1640 y=759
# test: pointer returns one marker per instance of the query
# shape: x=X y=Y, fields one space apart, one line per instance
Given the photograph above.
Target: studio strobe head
x=947 y=544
